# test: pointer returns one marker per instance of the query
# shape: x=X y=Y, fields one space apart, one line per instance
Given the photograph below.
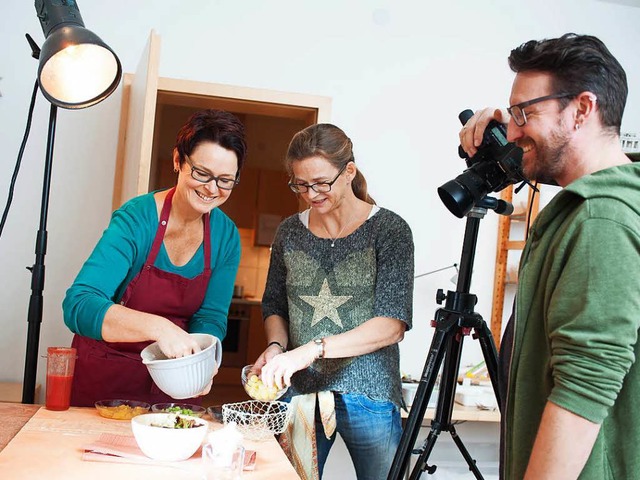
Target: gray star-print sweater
x=322 y=290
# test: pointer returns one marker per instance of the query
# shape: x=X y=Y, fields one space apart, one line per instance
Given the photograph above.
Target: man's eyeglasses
x=517 y=111
x=205 y=177
x=319 y=187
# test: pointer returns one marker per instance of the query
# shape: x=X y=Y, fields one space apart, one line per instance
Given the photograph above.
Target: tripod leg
x=449 y=379
x=419 y=406
x=427 y=447
x=444 y=409
x=465 y=453
x=488 y=346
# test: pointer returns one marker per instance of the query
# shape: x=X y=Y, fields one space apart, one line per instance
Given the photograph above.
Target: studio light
x=76 y=70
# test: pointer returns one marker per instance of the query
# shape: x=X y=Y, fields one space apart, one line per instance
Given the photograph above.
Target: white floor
x=481 y=440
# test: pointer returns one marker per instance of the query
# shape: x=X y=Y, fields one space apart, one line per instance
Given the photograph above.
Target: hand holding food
x=280 y=368
x=256 y=388
x=176 y=343
x=259 y=391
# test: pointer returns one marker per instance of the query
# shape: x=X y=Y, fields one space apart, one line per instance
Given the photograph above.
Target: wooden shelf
x=515 y=244
x=504 y=246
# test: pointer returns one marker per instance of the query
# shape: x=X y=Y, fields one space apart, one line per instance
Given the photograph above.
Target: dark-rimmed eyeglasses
x=517 y=111
x=205 y=177
x=319 y=187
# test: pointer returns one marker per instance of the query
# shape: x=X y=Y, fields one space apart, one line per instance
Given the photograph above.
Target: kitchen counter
x=48 y=444
x=460 y=413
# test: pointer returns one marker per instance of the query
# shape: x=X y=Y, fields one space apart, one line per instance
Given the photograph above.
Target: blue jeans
x=371 y=430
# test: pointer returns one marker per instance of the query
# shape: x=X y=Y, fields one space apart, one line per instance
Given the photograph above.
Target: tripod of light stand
x=452 y=323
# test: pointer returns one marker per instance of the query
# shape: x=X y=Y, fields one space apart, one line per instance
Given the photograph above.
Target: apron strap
x=207 y=242
x=162 y=228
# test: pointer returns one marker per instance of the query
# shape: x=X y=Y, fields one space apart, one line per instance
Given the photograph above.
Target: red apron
x=106 y=370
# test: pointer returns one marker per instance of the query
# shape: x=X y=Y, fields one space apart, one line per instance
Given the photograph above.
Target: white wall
x=398 y=72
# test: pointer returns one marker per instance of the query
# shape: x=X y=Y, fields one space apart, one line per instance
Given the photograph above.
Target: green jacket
x=576 y=323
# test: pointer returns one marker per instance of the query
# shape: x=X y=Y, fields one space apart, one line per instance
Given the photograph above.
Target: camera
x=496 y=165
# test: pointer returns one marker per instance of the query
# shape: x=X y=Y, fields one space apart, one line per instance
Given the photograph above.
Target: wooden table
x=47 y=444
x=14 y=416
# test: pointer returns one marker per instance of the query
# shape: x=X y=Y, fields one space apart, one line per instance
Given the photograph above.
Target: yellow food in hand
x=259 y=391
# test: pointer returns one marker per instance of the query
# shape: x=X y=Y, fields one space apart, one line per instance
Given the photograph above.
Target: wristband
x=279 y=345
x=320 y=345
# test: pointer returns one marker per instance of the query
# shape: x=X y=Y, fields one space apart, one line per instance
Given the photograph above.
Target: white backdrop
x=398 y=73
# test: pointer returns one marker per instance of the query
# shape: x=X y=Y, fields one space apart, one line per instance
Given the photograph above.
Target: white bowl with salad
x=170 y=437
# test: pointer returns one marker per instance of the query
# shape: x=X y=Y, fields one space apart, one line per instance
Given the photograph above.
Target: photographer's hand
x=472 y=132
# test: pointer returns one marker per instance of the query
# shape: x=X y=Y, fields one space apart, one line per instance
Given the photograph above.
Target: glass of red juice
x=61 y=362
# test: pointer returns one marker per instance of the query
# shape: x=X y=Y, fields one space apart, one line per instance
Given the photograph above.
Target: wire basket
x=257 y=420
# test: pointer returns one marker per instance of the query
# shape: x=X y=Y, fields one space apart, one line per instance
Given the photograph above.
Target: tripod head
x=501 y=207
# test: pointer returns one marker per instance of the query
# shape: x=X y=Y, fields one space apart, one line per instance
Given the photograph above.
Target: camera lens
x=462 y=193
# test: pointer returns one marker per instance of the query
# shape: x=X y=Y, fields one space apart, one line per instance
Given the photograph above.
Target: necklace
x=333 y=239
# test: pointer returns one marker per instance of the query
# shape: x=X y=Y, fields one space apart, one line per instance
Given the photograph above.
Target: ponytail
x=359 y=186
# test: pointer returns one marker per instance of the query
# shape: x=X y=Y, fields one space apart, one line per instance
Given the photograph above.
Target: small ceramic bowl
x=258 y=390
x=182 y=408
x=215 y=412
x=121 y=409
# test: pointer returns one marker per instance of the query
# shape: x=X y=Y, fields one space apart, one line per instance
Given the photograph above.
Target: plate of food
x=121 y=409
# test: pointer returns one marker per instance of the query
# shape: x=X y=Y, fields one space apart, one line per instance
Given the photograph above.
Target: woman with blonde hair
x=338 y=300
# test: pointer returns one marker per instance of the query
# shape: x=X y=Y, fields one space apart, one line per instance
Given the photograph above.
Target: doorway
x=262 y=193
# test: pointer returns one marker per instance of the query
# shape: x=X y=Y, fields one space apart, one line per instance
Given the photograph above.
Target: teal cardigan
x=120 y=255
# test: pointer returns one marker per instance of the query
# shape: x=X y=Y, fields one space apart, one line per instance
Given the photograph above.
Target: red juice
x=58 y=391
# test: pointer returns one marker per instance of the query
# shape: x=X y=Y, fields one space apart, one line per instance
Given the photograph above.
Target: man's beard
x=550 y=157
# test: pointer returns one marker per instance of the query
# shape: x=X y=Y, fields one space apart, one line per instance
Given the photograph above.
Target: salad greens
x=176 y=409
x=177 y=421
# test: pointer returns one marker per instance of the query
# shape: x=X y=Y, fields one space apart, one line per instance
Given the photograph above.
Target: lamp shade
x=77 y=69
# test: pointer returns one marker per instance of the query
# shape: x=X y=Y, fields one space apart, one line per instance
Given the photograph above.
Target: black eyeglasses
x=517 y=111
x=205 y=177
x=319 y=187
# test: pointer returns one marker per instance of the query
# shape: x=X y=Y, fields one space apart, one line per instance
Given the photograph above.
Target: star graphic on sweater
x=325 y=304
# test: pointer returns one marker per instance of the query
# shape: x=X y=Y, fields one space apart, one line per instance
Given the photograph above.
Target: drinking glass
x=61 y=362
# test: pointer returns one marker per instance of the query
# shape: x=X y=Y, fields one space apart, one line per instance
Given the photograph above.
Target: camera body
x=496 y=165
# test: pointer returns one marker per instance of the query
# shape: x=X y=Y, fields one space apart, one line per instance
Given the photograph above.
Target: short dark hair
x=215 y=126
x=578 y=63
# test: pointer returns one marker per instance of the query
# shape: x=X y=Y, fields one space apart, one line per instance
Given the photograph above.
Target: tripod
x=452 y=324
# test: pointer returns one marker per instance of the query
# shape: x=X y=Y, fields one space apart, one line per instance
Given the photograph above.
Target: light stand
x=34 y=316
x=76 y=70
x=452 y=324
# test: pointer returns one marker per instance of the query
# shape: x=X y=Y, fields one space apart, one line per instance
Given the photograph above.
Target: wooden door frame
x=142 y=92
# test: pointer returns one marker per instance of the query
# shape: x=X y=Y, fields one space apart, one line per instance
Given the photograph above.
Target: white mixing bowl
x=184 y=377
